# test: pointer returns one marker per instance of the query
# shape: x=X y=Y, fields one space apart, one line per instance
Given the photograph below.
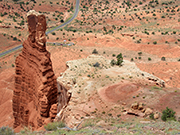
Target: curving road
x=62 y=25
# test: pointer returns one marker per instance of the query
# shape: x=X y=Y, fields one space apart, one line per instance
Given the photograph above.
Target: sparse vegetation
x=94 y=51
x=6 y=131
x=168 y=114
x=163 y=58
x=54 y=125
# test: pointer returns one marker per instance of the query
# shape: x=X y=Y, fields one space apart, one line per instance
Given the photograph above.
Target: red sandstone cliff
x=35 y=94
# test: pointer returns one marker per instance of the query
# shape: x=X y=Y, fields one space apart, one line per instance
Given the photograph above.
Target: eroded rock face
x=35 y=94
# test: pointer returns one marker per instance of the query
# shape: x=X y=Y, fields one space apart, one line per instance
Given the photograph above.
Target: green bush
x=168 y=114
x=119 y=59
x=113 y=55
x=139 y=53
x=113 y=62
x=155 y=42
x=94 y=51
x=53 y=126
x=151 y=116
x=6 y=131
x=14 y=38
x=163 y=58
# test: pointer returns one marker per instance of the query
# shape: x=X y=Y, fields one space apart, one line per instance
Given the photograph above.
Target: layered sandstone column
x=35 y=93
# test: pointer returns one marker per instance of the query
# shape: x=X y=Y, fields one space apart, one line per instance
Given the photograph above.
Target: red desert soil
x=59 y=55
x=6 y=95
x=168 y=71
x=119 y=92
x=7 y=43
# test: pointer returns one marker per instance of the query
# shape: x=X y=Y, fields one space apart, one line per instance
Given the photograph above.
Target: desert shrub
x=168 y=114
x=163 y=58
x=110 y=114
x=113 y=55
x=88 y=123
x=151 y=116
x=94 y=51
x=149 y=59
x=113 y=62
x=155 y=42
x=138 y=41
x=119 y=59
x=14 y=38
x=53 y=126
x=6 y=131
x=139 y=53
x=96 y=64
x=132 y=59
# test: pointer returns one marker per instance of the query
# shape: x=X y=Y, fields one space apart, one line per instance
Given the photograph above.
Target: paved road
x=62 y=25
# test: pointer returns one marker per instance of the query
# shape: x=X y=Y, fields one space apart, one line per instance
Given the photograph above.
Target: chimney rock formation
x=35 y=94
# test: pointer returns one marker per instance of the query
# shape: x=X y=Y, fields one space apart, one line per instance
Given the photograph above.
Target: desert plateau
x=95 y=67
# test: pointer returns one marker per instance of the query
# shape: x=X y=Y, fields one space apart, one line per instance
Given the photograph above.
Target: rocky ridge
x=96 y=86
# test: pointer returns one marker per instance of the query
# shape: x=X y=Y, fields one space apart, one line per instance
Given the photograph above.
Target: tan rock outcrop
x=148 y=111
x=156 y=115
x=35 y=94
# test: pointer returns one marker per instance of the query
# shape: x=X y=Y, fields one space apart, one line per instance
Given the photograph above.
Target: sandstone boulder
x=148 y=111
x=135 y=106
x=156 y=115
x=140 y=106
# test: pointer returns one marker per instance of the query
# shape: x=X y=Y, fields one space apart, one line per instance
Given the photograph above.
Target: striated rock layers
x=35 y=94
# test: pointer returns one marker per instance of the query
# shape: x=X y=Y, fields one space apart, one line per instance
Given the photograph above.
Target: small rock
x=131 y=133
x=124 y=113
x=141 y=114
x=156 y=115
x=140 y=106
x=134 y=106
x=143 y=110
x=125 y=109
x=123 y=103
x=132 y=113
x=144 y=122
x=148 y=111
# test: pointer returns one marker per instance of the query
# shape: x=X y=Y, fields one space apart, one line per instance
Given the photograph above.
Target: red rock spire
x=35 y=93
